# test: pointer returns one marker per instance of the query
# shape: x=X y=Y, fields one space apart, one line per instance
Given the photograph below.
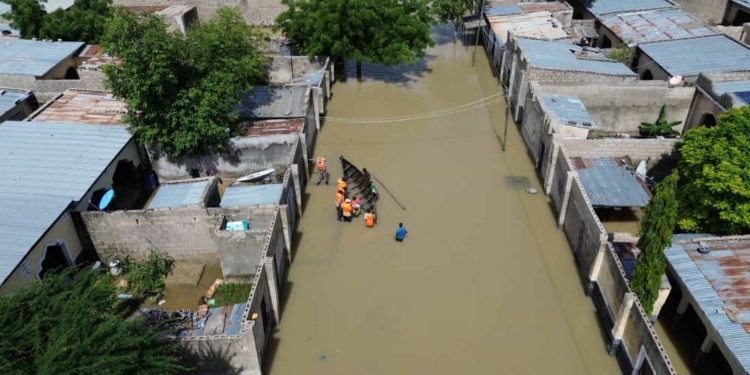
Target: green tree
x=386 y=32
x=68 y=325
x=84 y=21
x=655 y=234
x=715 y=170
x=182 y=91
x=451 y=11
x=661 y=126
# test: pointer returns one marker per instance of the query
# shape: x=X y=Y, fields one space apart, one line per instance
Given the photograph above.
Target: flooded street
x=484 y=282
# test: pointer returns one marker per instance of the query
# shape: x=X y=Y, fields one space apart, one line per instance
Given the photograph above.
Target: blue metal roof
x=653 y=26
x=252 y=195
x=45 y=167
x=738 y=90
x=601 y=7
x=612 y=186
x=744 y=3
x=5 y=28
x=266 y=102
x=179 y=194
x=559 y=56
x=49 y=6
x=569 y=110
x=503 y=11
x=34 y=58
x=689 y=57
x=715 y=281
x=9 y=99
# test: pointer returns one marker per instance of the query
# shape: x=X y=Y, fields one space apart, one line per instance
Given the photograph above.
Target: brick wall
x=582 y=228
x=558 y=179
x=256 y=12
x=46 y=90
x=636 y=149
x=565 y=76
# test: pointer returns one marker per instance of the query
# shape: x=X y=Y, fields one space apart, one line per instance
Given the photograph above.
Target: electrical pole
x=479 y=29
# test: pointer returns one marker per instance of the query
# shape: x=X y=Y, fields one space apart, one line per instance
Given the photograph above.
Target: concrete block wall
x=558 y=177
x=256 y=12
x=640 y=335
x=46 y=90
x=636 y=149
x=706 y=11
x=566 y=76
x=582 y=228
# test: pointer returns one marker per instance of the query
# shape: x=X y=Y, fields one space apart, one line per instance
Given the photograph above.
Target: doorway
x=55 y=260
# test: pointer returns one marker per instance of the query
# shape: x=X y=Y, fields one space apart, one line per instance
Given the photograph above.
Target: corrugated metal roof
x=53 y=5
x=178 y=195
x=45 y=167
x=602 y=7
x=559 y=56
x=4 y=7
x=272 y=127
x=744 y=3
x=612 y=186
x=537 y=25
x=552 y=6
x=34 y=58
x=83 y=107
x=569 y=110
x=264 y=102
x=503 y=11
x=9 y=99
x=668 y=24
x=730 y=87
x=175 y=10
x=252 y=195
x=6 y=30
x=688 y=57
x=719 y=283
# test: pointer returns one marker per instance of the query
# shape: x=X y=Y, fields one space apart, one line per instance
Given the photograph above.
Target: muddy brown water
x=484 y=283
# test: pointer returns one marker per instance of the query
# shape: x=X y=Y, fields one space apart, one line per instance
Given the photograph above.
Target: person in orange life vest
x=322 y=170
x=356 y=207
x=369 y=219
x=346 y=210
x=340 y=196
x=342 y=184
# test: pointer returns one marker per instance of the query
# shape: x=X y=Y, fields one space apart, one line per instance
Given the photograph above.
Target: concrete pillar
x=566 y=198
x=597 y=266
x=328 y=84
x=284 y=215
x=305 y=156
x=273 y=289
x=681 y=308
x=705 y=349
x=551 y=168
x=297 y=190
x=333 y=73
x=621 y=321
x=661 y=299
x=316 y=107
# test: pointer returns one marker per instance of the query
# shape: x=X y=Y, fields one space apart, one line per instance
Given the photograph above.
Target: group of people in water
x=347 y=208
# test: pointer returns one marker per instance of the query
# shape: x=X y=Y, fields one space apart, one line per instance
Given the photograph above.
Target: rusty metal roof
x=82 y=107
x=272 y=127
x=719 y=284
x=537 y=25
x=653 y=26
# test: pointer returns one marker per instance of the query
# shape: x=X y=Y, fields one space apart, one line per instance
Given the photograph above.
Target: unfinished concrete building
x=716 y=93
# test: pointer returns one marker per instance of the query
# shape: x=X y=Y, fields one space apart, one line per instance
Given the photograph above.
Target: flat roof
x=10 y=98
x=267 y=102
x=569 y=110
x=689 y=57
x=609 y=183
x=45 y=168
x=33 y=58
x=235 y=196
x=83 y=107
x=719 y=283
x=652 y=26
x=189 y=193
x=559 y=56
x=537 y=25
x=601 y=7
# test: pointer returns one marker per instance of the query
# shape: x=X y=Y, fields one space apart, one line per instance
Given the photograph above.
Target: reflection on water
x=625 y=220
x=485 y=282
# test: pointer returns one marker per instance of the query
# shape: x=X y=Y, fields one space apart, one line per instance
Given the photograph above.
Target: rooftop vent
x=703 y=250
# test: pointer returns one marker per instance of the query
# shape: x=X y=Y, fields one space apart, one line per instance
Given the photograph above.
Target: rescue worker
x=342 y=183
x=322 y=170
x=339 y=200
x=346 y=210
x=369 y=218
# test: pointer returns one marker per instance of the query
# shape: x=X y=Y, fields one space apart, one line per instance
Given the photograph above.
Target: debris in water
x=531 y=190
x=323 y=357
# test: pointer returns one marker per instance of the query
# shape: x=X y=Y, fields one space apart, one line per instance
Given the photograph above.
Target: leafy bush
x=231 y=293
x=148 y=275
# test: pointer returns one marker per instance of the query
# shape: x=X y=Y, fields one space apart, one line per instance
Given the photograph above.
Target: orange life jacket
x=342 y=184
x=369 y=220
x=321 y=164
x=339 y=198
x=346 y=208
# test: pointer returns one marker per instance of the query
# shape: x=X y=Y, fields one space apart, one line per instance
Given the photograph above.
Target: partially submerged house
x=634 y=28
x=529 y=60
x=302 y=71
x=16 y=104
x=598 y=8
x=52 y=172
x=689 y=57
x=716 y=93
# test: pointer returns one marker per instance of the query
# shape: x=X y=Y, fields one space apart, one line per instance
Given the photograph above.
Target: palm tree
x=660 y=127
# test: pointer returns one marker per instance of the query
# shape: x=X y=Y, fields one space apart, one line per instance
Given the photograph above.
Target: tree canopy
x=451 y=10
x=182 y=91
x=715 y=171
x=69 y=325
x=84 y=21
x=655 y=235
x=383 y=32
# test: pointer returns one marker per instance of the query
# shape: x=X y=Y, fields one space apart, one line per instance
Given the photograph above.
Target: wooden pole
x=479 y=29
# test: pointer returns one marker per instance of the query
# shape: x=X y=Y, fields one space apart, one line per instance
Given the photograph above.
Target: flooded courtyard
x=483 y=284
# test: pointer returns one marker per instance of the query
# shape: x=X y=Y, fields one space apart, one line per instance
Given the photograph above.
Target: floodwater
x=483 y=284
x=186 y=297
x=625 y=220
